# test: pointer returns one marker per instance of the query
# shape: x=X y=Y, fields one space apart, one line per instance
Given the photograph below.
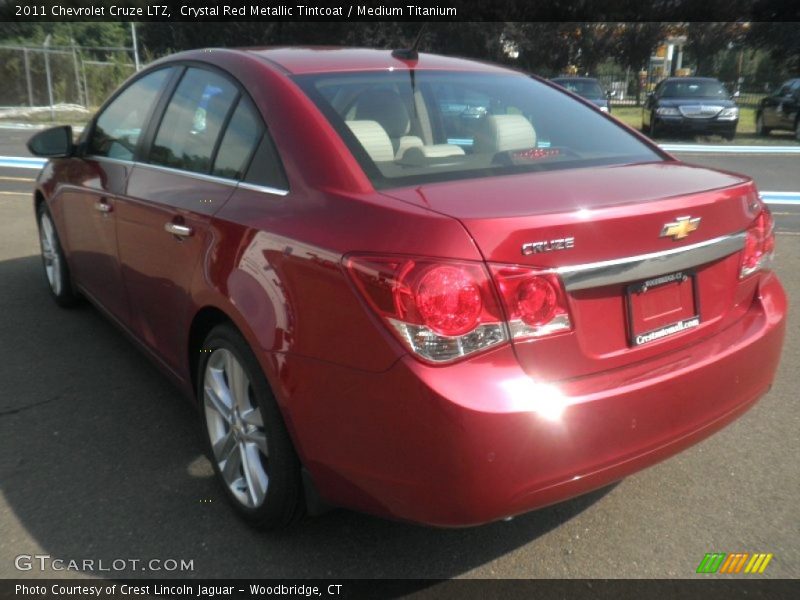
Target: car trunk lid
x=632 y=292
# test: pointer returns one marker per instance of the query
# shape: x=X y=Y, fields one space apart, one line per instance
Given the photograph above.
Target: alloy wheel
x=236 y=428
x=50 y=255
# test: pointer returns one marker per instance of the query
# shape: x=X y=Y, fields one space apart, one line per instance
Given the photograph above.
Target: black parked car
x=780 y=110
x=698 y=105
x=588 y=88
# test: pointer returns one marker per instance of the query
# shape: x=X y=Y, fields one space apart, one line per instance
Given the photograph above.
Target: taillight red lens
x=534 y=301
x=759 y=244
x=441 y=310
x=449 y=300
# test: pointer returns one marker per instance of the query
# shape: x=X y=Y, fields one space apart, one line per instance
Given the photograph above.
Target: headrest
x=502 y=133
x=374 y=139
x=387 y=108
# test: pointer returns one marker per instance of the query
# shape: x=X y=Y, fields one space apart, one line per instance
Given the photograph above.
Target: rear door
x=199 y=150
x=89 y=205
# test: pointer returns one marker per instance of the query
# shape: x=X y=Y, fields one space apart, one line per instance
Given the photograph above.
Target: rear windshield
x=587 y=88
x=411 y=127
x=694 y=89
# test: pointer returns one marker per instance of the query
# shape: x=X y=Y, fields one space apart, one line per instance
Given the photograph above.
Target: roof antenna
x=410 y=53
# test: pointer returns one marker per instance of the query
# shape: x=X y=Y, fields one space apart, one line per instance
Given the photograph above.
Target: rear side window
x=119 y=126
x=239 y=142
x=193 y=121
x=266 y=168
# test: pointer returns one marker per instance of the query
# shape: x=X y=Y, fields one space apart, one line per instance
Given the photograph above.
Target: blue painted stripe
x=781 y=197
x=22 y=162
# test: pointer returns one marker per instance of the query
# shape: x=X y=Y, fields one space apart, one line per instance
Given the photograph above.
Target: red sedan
x=421 y=287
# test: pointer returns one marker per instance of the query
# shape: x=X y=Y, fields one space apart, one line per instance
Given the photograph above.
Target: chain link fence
x=51 y=80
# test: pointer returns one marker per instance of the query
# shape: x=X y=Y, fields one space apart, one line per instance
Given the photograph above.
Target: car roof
x=692 y=79
x=302 y=60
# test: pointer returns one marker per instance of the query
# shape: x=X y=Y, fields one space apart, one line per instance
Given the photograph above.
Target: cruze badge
x=548 y=245
x=680 y=228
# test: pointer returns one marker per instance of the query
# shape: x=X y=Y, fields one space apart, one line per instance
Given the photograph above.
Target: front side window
x=193 y=120
x=784 y=89
x=410 y=127
x=118 y=128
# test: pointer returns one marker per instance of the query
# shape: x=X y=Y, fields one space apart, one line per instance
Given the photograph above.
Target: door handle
x=103 y=206
x=178 y=230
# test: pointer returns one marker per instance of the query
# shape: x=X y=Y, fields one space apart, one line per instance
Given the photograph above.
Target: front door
x=98 y=178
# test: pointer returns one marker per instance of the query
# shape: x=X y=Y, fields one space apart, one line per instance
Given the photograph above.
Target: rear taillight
x=441 y=310
x=534 y=301
x=444 y=310
x=759 y=244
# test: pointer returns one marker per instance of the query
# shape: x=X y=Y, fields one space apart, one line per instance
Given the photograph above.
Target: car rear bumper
x=480 y=440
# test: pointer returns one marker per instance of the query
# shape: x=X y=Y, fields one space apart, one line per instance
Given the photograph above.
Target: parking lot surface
x=101 y=459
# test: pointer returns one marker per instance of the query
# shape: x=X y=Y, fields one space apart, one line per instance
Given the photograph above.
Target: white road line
x=23 y=179
x=709 y=148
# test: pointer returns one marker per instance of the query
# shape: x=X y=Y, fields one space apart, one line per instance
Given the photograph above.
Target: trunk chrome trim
x=646 y=266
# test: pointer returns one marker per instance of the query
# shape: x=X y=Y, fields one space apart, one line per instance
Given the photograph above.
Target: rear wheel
x=760 y=129
x=56 y=270
x=247 y=441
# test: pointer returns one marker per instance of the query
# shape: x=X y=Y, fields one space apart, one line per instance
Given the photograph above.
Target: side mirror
x=611 y=93
x=735 y=94
x=55 y=142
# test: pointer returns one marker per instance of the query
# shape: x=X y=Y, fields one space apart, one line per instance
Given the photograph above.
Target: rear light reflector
x=759 y=244
x=534 y=301
x=440 y=310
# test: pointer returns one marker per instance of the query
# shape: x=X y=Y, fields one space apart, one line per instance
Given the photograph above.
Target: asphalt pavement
x=100 y=458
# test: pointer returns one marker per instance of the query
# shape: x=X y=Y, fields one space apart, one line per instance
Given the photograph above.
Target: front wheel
x=56 y=270
x=760 y=129
x=247 y=441
x=655 y=130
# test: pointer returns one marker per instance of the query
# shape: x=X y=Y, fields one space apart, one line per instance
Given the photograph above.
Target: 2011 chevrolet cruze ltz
x=420 y=287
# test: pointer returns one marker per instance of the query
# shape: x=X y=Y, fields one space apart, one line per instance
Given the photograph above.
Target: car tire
x=730 y=135
x=760 y=129
x=246 y=438
x=797 y=130
x=55 y=267
x=655 y=130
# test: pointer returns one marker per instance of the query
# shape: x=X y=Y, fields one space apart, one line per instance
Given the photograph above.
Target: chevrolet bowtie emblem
x=681 y=228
